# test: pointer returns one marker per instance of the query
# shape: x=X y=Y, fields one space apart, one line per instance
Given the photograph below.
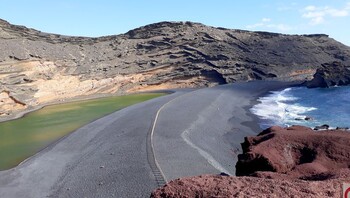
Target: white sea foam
x=280 y=108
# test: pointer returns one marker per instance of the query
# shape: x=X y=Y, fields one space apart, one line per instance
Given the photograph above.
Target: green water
x=21 y=138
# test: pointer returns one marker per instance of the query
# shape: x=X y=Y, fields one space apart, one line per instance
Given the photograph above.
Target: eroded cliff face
x=330 y=74
x=37 y=68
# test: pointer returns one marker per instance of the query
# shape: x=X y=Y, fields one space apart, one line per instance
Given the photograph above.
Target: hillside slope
x=38 y=68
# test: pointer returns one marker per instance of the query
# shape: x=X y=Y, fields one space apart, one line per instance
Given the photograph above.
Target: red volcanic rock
x=247 y=187
x=295 y=152
x=285 y=162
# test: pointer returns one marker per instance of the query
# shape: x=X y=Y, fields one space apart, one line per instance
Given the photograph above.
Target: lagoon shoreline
x=124 y=133
x=20 y=114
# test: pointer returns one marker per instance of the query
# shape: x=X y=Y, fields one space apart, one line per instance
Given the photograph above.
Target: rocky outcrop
x=322 y=127
x=36 y=67
x=330 y=74
x=295 y=152
x=280 y=162
x=247 y=187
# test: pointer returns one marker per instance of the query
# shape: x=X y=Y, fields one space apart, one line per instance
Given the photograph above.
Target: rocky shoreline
x=295 y=161
x=282 y=162
x=329 y=75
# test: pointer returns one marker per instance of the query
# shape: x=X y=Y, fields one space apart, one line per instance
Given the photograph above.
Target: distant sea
x=291 y=106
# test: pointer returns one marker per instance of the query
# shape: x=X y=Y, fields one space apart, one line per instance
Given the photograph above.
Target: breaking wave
x=280 y=108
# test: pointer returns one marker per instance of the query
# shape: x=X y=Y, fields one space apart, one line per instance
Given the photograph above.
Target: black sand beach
x=201 y=132
x=196 y=132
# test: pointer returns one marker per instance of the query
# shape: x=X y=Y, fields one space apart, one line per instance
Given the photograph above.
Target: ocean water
x=291 y=106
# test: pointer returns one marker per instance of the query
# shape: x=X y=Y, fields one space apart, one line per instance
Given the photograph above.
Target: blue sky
x=107 y=17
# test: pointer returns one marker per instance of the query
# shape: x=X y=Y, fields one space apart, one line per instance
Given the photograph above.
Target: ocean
x=291 y=106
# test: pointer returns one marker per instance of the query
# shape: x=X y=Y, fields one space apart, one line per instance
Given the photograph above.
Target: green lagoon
x=21 y=138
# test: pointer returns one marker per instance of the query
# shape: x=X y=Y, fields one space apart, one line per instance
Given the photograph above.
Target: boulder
x=342 y=128
x=322 y=127
x=330 y=74
x=295 y=152
x=307 y=118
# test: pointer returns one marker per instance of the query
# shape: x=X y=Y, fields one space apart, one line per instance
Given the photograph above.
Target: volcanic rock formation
x=38 y=68
x=330 y=74
x=295 y=152
x=246 y=187
x=281 y=162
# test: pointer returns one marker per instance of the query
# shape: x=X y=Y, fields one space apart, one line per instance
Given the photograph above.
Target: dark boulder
x=342 y=128
x=330 y=74
x=308 y=118
x=322 y=127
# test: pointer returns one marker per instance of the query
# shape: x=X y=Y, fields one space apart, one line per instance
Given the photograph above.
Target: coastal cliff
x=38 y=68
x=330 y=74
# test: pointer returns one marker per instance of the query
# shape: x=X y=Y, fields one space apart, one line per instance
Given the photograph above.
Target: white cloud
x=318 y=15
x=310 y=8
x=265 y=24
x=266 y=20
x=338 y=13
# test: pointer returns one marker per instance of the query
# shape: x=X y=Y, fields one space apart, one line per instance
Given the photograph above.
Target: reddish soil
x=296 y=152
x=279 y=162
x=248 y=187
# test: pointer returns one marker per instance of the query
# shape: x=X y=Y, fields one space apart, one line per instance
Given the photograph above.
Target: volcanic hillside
x=39 y=68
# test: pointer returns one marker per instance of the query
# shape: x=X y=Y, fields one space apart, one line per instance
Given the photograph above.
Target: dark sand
x=201 y=132
x=196 y=132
